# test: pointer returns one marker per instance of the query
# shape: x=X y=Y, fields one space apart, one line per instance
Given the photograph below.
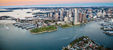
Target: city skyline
x=56 y=28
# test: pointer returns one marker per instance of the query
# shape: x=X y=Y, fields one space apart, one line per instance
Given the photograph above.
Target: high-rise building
x=109 y=12
x=51 y=15
x=61 y=13
x=80 y=17
x=104 y=13
x=84 y=20
x=56 y=16
x=67 y=13
x=65 y=19
x=76 y=17
x=70 y=18
x=70 y=13
x=99 y=14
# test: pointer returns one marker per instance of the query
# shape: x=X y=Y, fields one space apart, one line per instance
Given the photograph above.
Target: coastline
x=84 y=43
x=71 y=25
x=43 y=31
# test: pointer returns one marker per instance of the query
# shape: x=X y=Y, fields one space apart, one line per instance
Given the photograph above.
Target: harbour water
x=15 y=38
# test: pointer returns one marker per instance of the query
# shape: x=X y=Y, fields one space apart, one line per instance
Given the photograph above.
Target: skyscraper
x=80 y=17
x=66 y=19
x=51 y=15
x=56 y=15
x=76 y=17
x=61 y=14
x=84 y=18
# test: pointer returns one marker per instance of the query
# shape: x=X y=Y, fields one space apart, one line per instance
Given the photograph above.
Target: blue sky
x=65 y=5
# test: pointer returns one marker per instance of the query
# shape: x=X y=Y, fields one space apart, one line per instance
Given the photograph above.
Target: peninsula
x=44 y=29
x=84 y=43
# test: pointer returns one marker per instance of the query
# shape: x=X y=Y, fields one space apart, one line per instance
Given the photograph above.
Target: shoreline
x=72 y=25
x=43 y=31
x=84 y=42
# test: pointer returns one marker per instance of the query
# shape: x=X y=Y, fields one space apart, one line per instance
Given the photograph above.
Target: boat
x=109 y=32
x=108 y=29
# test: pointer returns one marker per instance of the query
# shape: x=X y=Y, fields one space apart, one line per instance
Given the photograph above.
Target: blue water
x=19 y=39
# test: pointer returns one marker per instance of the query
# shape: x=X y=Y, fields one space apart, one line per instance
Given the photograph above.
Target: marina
x=107 y=27
x=25 y=25
x=109 y=32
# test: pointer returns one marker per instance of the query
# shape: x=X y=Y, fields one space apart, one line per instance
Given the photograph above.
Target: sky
x=16 y=3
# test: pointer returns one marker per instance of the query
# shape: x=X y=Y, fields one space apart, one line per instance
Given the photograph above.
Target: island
x=84 y=43
x=44 y=29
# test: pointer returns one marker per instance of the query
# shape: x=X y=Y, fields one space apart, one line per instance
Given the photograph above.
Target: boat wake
x=7 y=28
